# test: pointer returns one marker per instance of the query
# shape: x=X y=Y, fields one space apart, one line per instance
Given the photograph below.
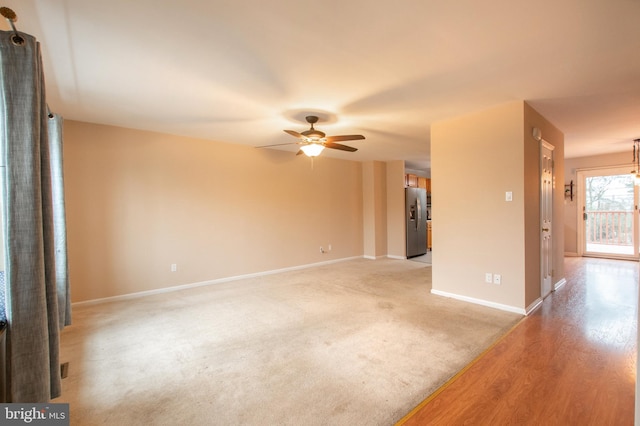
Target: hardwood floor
x=571 y=362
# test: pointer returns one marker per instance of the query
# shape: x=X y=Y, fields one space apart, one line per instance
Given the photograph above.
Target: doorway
x=607 y=218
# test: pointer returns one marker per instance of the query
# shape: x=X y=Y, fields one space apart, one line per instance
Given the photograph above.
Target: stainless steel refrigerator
x=416 y=216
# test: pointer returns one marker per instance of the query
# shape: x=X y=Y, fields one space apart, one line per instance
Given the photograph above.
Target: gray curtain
x=36 y=284
x=59 y=220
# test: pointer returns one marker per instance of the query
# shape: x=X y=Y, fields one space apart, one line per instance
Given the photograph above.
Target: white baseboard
x=527 y=311
x=374 y=257
x=210 y=282
x=385 y=256
x=532 y=307
x=559 y=284
x=480 y=302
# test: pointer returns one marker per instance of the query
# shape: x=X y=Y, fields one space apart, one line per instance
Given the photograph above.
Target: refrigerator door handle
x=419 y=208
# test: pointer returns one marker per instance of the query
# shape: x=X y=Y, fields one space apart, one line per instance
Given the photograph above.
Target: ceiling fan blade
x=344 y=138
x=294 y=134
x=278 y=144
x=299 y=152
x=339 y=146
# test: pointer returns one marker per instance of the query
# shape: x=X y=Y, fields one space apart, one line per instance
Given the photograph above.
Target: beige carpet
x=359 y=342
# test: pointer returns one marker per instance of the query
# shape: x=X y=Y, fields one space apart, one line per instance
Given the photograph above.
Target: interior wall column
x=374 y=209
x=396 y=233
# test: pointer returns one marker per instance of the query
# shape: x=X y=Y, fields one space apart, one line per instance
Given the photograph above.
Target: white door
x=546 y=216
x=607 y=218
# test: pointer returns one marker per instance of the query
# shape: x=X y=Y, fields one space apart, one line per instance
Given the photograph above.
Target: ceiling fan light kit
x=313 y=141
x=312 y=150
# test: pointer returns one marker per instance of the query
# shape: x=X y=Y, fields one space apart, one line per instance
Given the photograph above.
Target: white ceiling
x=242 y=71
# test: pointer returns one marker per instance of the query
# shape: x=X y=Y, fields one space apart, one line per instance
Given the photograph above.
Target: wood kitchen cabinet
x=429 y=235
x=425 y=183
x=414 y=181
x=411 y=181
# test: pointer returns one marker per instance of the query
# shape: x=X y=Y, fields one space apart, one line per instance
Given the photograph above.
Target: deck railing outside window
x=610 y=227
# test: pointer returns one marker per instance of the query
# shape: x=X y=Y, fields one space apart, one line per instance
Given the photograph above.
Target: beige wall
x=380 y=207
x=138 y=202
x=396 y=232
x=476 y=159
x=571 y=166
x=368 y=213
x=374 y=195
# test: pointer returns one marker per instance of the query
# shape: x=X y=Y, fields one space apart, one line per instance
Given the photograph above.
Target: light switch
x=508 y=196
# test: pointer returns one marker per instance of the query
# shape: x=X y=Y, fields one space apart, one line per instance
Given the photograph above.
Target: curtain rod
x=11 y=17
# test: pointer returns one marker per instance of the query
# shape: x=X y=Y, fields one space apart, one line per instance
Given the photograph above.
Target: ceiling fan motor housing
x=313 y=133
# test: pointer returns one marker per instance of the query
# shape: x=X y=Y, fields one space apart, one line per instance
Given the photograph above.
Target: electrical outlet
x=174 y=267
x=329 y=247
x=497 y=278
x=488 y=277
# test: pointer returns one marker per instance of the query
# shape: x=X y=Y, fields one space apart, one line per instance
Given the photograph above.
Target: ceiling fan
x=313 y=141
